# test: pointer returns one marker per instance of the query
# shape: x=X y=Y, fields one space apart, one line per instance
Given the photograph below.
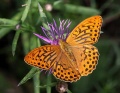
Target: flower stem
x=36 y=80
x=48 y=88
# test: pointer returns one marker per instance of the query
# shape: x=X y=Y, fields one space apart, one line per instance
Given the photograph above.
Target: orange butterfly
x=73 y=58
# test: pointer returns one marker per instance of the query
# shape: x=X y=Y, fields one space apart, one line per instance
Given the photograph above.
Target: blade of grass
x=4 y=21
x=68 y=91
x=105 y=5
x=29 y=75
x=75 y=9
x=93 y=4
x=25 y=12
x=14 y=43
x=117 y=52
x=42 y=16
x=51 y=85
x=25 y=42
x=80 y=9
x=4 y=31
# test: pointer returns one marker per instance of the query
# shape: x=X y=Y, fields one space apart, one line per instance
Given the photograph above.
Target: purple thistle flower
x=55 y=32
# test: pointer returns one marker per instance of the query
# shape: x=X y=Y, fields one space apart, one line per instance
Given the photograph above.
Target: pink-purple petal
x=55 y=32
x=43 y=38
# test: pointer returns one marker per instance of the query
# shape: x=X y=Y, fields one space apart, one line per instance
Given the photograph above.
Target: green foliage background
x=17 y=23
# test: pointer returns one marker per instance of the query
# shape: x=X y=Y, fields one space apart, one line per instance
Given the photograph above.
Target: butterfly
x=73 y=58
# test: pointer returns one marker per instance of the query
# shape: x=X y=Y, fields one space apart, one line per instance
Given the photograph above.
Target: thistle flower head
x=54 y=32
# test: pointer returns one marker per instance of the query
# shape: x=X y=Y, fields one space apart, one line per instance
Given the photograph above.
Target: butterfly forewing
x=43 y=57
x=87 y=32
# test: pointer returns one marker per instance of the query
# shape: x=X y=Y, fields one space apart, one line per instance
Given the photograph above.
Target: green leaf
x=7 y=22
x=42 y=16
x=51 y=85
x=75 y=9
x=6 y=25
x=25 y=12
x=6 y=30
x=29 y=75
x=68 y=91
x=93 y=4
x=106 y=5
x=14 y=44
x=25 y=41
x=33 y=42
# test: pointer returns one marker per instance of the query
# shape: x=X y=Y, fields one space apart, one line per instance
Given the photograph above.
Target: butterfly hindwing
x=86 y=58
x=64 y=70
x=91 y=60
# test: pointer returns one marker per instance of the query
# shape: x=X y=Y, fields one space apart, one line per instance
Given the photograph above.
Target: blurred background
x=106 y=77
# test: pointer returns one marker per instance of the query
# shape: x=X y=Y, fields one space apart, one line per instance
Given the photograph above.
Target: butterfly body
x=66 y=49
x=73 y=58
